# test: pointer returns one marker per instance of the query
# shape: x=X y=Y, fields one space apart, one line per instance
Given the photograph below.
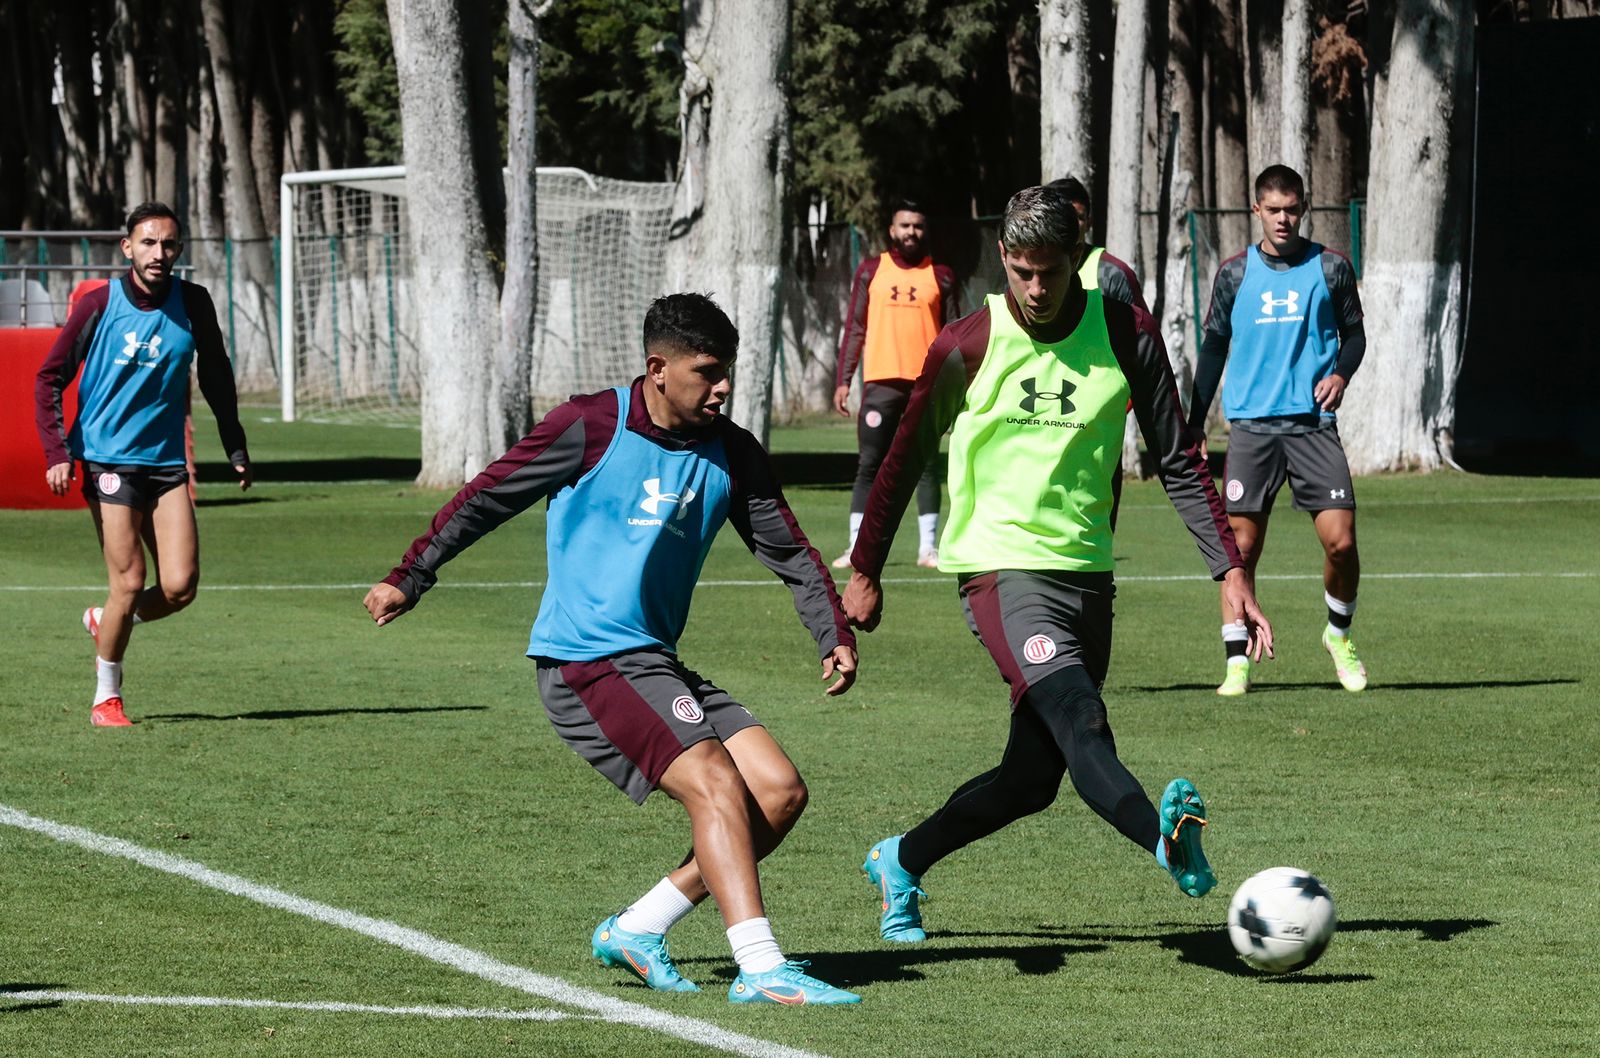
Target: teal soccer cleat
x=788 y=986
x=900 y=890
x=642 y=954
x=1183 y=816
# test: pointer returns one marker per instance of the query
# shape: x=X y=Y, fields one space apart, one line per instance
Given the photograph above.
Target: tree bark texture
x=1066 y=91
x=519 y=296
x=462 y=414
x=739 y=52
x=1294 y=126
x=1400 y=407
x=1127 y=124
x=1263 y=80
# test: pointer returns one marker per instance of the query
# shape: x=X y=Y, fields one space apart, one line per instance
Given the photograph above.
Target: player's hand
x=59 y=477
x=385 y=602
x=862 y=602
x=842 y=664
x=1237 y=594
x=245 y=476
x=841 y=400
x=1329 y=393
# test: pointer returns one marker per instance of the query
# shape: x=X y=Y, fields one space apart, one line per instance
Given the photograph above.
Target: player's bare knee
x=125 y=586
x=181 y=593
x=787 y=801
x=1341 y=550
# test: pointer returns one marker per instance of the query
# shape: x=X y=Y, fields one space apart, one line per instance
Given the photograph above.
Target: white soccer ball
x=1281 y=920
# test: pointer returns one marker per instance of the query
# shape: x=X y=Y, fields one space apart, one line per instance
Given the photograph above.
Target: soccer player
x=1034 y=387
x=898 y=302
x=134 y=340
x=1289 y=311
x=640 y=479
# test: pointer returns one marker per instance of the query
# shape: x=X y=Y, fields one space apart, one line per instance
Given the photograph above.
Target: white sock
x=656 y=911
x=928 y=530
x=754 y=947
x=855 y=528
x=108 y=677
x=1339 y=606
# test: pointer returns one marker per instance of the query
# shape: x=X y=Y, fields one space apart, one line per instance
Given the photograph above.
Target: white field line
x=772 y=582
x=477 y=1013
x=456 y=956
x=1379 y=504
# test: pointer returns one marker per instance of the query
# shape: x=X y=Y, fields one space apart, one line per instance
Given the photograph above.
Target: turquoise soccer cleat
x=1183 y=817
x=642 y=954
x=900 y=890
x=788 y=986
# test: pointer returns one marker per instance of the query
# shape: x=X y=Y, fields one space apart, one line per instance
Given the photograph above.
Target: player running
x=898 y=302
x=1288 y=309
x=1035 y=387
x=134 y=340
x=640 y=479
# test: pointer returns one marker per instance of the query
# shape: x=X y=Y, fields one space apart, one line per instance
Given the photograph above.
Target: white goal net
x=350 y=345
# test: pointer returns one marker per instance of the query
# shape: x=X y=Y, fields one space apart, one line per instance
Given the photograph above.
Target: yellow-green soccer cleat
x=1352 y=674
x=1237 y=681
x=1183 y=816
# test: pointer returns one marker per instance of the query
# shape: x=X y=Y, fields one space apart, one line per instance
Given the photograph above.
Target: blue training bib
x=1285 y=339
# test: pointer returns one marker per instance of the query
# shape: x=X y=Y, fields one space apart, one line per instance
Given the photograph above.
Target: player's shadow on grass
x=302 y=714
x=1301 y=685
x=26 y=986
x=233 y=501
x=857 y=968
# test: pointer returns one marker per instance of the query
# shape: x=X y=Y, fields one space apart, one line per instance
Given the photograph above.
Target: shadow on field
x=233 y=501
x=301 y=714
x=27 y=986
x=854 y=969
x=1301 y=685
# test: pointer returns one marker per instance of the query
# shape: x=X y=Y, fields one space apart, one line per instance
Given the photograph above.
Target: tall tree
x=1402 y=405
x=1066 y=91
x=519 y=296
x=455 y=200
x=1127 y=124
x=730 y=221
x=1294 y=120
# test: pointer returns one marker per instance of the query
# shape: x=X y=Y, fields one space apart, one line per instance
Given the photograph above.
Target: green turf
x=408 y=773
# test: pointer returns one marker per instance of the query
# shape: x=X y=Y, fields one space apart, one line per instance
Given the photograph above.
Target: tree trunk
x=737 y=57
x=1127 y=125
x=1174 y=308
x=519 y=297
x=130 y=102
x=80 y=125
x=1401 y=406
x=1263 y=80
x=463 y=423
x=1066 y=91
x=1294 y=125
x=1228 y=167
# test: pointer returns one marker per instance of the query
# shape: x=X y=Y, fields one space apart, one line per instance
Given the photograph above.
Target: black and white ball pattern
x=1281 y=920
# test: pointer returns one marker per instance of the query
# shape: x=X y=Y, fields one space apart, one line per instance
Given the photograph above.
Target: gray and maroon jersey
x=1118 y=282
x=569 y=442
x=940 y=394
x=854 y=338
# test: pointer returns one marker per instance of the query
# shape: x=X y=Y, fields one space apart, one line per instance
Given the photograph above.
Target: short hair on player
x=906 y=205
x=150 y=211
x=1282 y=179
x=1037 y=217
x=1073 y=188
x=684 y=324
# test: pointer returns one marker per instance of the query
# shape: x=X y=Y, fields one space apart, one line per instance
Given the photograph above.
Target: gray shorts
x=1034 y=622
x=138 y=487
x=630 y=716
x=1313 y=463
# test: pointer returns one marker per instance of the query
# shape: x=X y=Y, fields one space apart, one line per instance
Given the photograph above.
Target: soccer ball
x=1281 y=920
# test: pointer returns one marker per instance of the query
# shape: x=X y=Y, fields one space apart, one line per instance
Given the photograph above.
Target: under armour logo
x=894 y=293
x=654 y=498
x=131 y=349
x=1291 y=304
x=1030 y=387
x=1336 y=494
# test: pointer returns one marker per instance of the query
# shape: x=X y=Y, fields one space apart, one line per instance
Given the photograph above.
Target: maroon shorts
x=630 y=716
x=1034 y=622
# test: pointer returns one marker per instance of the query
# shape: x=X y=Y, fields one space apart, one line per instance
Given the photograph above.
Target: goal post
x=348 y=327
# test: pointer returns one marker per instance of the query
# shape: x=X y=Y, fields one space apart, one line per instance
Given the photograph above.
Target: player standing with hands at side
x=640 y=479
x=134 y=340
x=1288 y=310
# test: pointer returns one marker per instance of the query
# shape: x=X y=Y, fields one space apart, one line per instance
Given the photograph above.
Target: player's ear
x=655 y=367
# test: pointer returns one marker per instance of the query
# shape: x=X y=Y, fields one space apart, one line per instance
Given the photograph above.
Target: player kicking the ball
x=640 y=479
x=1035 y=388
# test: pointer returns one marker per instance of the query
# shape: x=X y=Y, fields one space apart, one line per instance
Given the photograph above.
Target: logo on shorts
x=873 y=419
x=1336 y=494
x=685 y=708
x=110 y=483
x=1235 y=490
x=1039 y=649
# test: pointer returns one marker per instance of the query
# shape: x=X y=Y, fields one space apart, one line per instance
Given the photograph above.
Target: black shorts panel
x=1313 y=464
x=138 y=487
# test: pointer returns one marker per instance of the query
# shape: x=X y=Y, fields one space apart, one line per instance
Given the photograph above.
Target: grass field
x=395 y=825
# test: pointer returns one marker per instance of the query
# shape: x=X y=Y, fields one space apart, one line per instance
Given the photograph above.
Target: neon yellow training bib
x=1033 y=449
x=1089 y=271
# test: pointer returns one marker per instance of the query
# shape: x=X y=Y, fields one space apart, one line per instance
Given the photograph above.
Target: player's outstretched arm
x=385 y=602
x=840 y=666
x=863 y=601
x=1236 y=592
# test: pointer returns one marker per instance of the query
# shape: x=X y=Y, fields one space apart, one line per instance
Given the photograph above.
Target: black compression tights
x=1058 y=728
